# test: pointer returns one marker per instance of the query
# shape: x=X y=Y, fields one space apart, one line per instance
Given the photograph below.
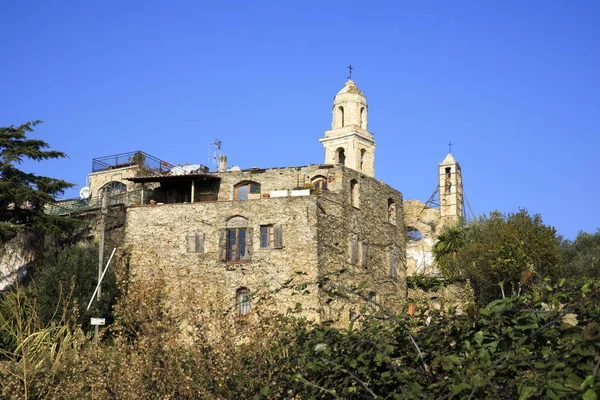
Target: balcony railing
x=145 y=161
x=77 y=206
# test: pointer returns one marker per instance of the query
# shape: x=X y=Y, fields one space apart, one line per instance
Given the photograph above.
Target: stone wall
x=341 y=223
x=418 y=217
x=318 y=235
x=157 y=239
x=16 y=259
x=101 y=178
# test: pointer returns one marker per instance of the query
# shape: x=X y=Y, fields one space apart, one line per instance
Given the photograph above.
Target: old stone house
x=233 y=234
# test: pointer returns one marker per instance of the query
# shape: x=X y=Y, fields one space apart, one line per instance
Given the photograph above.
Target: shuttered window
x=270 y=236
x=393 y=259
x=195 y=242
x=353 y=248
x=364 y=253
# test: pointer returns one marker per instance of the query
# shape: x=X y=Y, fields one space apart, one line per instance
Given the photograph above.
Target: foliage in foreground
x=501 y=254
x=66 y=279
x=539 y=345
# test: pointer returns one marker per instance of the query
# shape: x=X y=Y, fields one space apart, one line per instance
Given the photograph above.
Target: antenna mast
x=215 y=152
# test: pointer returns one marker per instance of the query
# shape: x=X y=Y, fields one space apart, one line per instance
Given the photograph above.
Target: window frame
x=198 y=246
x=249 y=185
x=267 y=232
x=243 y=301
x=319 y=183
x=275 y=236
x=236 y=247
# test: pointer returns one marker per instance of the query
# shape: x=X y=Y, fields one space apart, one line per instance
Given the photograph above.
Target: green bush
x=67 y=278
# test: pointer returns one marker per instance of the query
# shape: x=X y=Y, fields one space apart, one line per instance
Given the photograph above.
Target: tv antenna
x=215 y=152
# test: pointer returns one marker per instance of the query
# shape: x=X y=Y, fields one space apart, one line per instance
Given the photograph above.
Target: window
x=340 y=156
x=242 y=299
x=319 y=183
x=235 y=243
x=270 y=236
x=353 y=248
x=246 y=191
x=413 y=234
x=392 y=212
x=195 y=242
x=363 y=119
x=364 y=253
x=354 y=191
x=341 y=114
x=393 y=260
x=363 y=152
x=116 y=192
x=448 y=180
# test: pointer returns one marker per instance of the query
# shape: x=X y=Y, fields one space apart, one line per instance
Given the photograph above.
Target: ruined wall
x=157 y=238
x=340 y=224
x=418 y=217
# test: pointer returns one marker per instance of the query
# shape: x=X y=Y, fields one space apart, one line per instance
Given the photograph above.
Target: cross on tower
x=350 y=69
x=450 y=147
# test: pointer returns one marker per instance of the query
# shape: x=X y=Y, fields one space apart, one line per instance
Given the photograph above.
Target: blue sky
x=514 y=84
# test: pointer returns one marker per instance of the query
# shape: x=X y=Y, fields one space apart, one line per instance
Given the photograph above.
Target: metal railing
x=153 y=165
x=77 y=206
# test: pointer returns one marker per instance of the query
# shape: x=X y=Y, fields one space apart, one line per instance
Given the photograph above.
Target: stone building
x=424 y=223
x=231 y=235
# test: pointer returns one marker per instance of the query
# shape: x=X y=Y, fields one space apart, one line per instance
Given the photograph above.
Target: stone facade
x=322 y=233
x=98 y=180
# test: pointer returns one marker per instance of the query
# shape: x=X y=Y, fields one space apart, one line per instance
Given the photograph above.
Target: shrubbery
x=545 y=344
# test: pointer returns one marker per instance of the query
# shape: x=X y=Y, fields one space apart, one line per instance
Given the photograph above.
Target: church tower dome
x=349 y=142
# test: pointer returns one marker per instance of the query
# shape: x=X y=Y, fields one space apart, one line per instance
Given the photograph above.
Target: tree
x=581 y=257
x=67 y=277
x=23 y=195
x=500 y=255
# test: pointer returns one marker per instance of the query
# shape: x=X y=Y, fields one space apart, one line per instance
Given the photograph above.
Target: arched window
x=413 y=234
x=363 y=153
x=246 y=191
x=392 y=212
x=319 y=183
x=340 y=155
x=341 y=115
x=354 y=193
x=242 y=301
x=116 y=191
x=363 y=118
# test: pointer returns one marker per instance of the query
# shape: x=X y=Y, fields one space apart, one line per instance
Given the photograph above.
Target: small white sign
x=98 y=321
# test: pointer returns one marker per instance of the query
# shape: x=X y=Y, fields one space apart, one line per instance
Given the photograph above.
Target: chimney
x=222 y=163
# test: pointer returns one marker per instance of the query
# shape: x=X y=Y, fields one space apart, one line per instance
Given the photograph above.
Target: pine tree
x=23 y=195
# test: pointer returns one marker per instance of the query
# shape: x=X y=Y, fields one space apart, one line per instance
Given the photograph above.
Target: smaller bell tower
x=451 y=191
x=348 y=141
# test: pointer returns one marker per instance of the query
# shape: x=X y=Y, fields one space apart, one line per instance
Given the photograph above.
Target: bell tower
x=349 y=142
x=451 y=191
